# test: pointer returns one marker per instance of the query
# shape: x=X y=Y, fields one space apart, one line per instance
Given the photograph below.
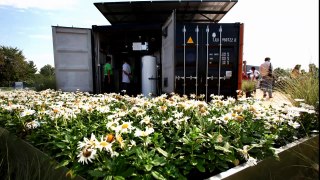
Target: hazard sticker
x=190 y=41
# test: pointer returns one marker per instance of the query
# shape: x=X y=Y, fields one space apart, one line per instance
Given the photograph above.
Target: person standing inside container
x=267 y=77
x=126 y=73
x=108 y=76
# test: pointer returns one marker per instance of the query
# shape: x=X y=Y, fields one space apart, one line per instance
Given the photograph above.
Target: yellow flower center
x=240 y=118
x=104 y=143
x=236 y=162
x=125 y=126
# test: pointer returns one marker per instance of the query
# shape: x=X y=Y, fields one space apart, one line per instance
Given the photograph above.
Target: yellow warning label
x=190 y=41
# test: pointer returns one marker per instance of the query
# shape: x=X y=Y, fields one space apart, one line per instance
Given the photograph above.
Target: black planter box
x=20 y=160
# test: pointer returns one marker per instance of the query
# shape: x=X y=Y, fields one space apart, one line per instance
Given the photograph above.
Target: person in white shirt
x=254 y=74
x=267 y=77
x=126 y=73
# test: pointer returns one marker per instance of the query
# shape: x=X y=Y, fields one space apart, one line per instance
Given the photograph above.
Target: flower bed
x=165 y=137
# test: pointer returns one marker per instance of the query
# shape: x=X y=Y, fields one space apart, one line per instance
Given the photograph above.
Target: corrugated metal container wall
x=73 y=58
x=199 y=49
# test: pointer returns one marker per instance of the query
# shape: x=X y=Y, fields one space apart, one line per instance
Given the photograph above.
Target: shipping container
x=171 y=46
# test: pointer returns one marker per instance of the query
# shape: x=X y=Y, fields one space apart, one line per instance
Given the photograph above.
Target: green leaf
x=158 y=161
x=194 y=162
x=63 y=163
x=157 y=175
x=200 y=167
x=118 y=178
x=96 y=173
x=210 y=155
x=108 y=178
x=128 y=172
x=222 y=149
x=139 y=153
x=148 y=167
x=161 y=151
x=61 y=145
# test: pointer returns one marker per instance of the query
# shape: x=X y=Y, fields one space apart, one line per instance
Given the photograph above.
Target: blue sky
x=285 y=30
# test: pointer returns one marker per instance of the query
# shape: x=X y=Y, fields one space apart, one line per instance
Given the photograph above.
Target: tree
x=47 y=70
x=13 y=66
x=30 y=73
x=46 y=78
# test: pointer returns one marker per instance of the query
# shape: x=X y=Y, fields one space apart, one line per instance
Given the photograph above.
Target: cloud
x=39 y=4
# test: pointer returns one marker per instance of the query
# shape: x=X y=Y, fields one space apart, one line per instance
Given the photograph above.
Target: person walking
x=126 y=73
x=266 y=72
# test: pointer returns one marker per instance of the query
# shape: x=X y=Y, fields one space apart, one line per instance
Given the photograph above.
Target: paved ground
x=277 y=100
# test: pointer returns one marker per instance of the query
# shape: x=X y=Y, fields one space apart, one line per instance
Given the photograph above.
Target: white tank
x=148 y=75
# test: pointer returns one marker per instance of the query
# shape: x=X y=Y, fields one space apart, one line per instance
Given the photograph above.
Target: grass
x=304 y=87
x=248 y=86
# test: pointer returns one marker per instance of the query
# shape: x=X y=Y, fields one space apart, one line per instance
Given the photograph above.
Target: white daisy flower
x=125 y=127
x=139 y=133
x=251 y=161
x=27 y=112
x=104 y=145
x=92 y=143
x=86 y=155
x=32 y=125
x=146 y=120
x=295 y=125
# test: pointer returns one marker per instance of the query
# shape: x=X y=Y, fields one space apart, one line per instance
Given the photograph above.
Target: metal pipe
x=100 y=79
x=184 y=59
x=220 y=31
x=207 y=30
x=197 y=59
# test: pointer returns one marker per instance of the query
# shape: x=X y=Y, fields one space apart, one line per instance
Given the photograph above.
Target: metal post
x=197 y=59
x=220 y=31
x=184 y=59
x=101 y=81
x=207 y=30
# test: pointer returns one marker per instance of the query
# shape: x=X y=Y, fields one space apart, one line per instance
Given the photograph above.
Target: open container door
x=168 y=54
x=73 y=58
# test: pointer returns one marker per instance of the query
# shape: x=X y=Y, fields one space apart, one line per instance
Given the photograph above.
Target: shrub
x=44 y=82
x=248 y=86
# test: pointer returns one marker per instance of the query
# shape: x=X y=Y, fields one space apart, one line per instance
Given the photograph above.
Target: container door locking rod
x=207 y=30
x=197 y=59
x=184 y=59
x=220 y=31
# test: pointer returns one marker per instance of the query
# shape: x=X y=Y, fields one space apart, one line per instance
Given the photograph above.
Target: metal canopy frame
x=159 y=11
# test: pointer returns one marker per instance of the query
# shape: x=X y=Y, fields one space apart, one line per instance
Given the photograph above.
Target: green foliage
x=42 y=82
x=47 y=70
x=305 y=86
x=248 y=86
x=14 y=67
